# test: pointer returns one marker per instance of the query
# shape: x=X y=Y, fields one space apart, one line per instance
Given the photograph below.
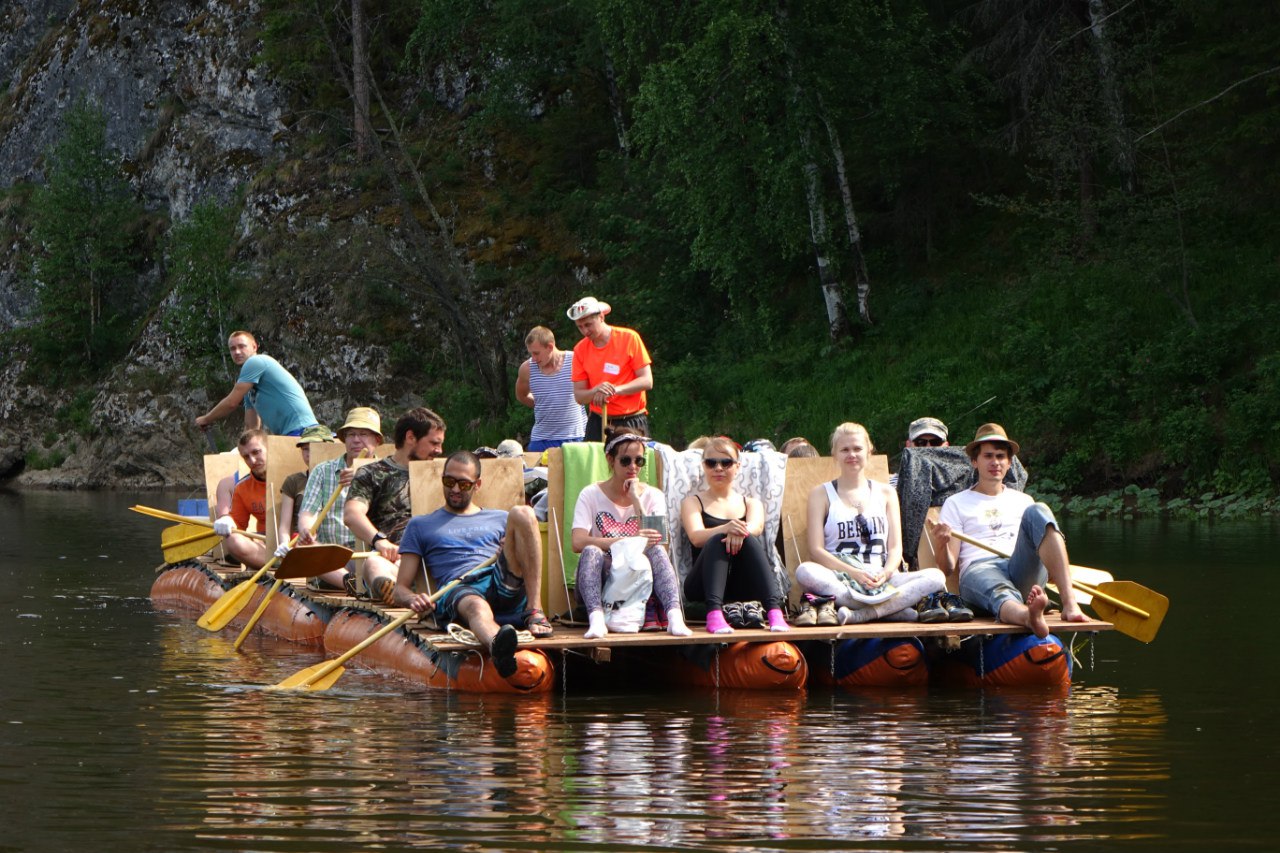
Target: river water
x=127 y=728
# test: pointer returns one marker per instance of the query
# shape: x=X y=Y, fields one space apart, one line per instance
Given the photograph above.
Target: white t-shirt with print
x=993 y=519
x=600 y=516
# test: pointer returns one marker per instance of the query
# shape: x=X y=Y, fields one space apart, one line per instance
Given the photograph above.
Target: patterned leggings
x=594 y=562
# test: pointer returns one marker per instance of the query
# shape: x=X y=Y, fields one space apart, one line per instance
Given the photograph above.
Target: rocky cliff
x=194 y=117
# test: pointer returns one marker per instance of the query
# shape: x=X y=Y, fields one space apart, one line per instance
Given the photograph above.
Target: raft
x=872 y=662
x=774 y=665
x=1006 y=660
x=409 y=655
x=193 y=586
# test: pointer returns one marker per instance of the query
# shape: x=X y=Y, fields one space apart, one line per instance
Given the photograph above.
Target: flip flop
x=536 y=623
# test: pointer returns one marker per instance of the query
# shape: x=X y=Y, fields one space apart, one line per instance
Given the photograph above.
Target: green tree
x=86 y=254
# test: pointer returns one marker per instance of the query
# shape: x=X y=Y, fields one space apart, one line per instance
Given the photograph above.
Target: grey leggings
x=594 y=562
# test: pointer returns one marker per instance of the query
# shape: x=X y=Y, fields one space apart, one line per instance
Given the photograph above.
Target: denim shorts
x=988 y=584
x=496 y=585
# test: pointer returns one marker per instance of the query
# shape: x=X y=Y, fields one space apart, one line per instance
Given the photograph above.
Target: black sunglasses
x=712 y=464
x=454 y=482
x=626 y=461
x=927 y=442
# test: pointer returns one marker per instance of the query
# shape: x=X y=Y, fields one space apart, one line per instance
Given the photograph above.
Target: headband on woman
x=625 y=438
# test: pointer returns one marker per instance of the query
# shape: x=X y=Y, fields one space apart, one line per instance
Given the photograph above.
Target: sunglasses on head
x=625 y=461
x=712 y=464
x=928 y=441
x=460 y=485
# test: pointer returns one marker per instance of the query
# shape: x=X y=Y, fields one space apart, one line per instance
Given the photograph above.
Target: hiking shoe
x=957 y=610
x=753 y=615
x=503 y=650
x=827 y=612
x=929 y=609
x=349 y=584
x=806 y=616
x=733 y=614
x=380 y=590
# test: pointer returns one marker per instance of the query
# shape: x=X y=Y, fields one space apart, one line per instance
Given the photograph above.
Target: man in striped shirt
x=548 y=390
x=361 y=431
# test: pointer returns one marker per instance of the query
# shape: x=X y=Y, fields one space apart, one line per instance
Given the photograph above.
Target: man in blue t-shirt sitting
x=273 y=400
x=460 y=536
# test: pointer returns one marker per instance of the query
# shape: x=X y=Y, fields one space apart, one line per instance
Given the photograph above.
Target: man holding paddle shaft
x=361 y=431
x=378 y=508
x=271 y=397
x=1010 y=588
x=461 y=535
x=248 y=499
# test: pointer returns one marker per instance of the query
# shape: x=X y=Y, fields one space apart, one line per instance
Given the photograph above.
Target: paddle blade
x=1135 y=594
x=309 y=561
x=311 y=679
x=228 y=607
x=191 y=549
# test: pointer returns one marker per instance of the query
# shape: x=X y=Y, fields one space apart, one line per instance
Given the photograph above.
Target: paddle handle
x=257 y=614
x=394 y=624
x=182 y=519
x=604 y=421
x=1113 y=601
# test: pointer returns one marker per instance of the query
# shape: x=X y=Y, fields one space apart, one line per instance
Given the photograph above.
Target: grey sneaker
x=827 y=613
x=806 y=616
x=929 y=609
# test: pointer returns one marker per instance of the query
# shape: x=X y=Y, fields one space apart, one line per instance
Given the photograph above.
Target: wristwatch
x=377 y=537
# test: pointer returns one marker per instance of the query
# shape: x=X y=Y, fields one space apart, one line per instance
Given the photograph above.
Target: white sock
x=595 y=625
x=854 y=615
x=675 y=624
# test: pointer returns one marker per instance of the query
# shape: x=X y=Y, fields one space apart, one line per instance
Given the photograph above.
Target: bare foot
x=1036 y=603
x=1073 y=614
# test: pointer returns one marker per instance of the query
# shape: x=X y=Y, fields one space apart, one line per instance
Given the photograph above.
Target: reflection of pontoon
x=878 y=654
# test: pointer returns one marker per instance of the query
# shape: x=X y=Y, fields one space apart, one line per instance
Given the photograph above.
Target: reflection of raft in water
x=855 y=656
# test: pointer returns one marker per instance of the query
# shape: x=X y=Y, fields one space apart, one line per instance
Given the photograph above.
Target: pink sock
x=716 y=623
x=777 y=621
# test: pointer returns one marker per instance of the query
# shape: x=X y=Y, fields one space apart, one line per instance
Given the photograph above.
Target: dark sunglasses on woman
x=712 y=464
x=625 y=461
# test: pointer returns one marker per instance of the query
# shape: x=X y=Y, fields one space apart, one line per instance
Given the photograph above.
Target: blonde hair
x=699 y=442
x=849 y=428
x=541 y=335
x=722 y=443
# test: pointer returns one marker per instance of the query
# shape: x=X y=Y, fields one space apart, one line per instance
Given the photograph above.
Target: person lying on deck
x=724 y=526
x=462 y=535
x=360 y=432
x=249 y=500
x=378 y=507
x=612 y=509
x=1011 y=589
x=855 y=548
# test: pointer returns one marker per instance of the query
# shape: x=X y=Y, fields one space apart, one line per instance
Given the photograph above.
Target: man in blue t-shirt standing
x=462 y=535
x=273 y=400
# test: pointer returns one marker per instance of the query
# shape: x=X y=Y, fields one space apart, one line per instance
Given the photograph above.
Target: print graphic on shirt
x=857 y=537
x=611 y=528
x=992 y=517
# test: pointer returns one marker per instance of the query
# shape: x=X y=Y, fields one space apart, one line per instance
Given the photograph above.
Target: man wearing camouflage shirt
x=378 y=507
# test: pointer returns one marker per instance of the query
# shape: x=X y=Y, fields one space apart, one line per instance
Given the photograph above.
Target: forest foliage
x=1056 y=214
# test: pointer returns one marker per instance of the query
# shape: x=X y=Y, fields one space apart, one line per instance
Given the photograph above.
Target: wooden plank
x=501 y=487
x=283 y=459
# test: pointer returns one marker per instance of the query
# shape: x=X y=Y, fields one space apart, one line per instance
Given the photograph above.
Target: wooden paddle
x=186 y=541
x=182 y=519
x=309 y=561
x=226 y=608
x=1134 y=609
x=322 y=676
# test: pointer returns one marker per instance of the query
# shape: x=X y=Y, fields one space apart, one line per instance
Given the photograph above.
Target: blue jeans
x=988 y=584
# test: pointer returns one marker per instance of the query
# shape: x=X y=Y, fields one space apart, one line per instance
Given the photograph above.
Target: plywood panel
x=502 y=484
x=557 y=593
x=283 y=459
x=216 y=467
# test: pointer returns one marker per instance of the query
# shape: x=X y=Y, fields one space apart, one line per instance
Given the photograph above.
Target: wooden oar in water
x=322 y=676
x=1134 y=609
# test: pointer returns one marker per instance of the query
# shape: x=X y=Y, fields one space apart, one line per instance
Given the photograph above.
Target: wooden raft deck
x=570 y=636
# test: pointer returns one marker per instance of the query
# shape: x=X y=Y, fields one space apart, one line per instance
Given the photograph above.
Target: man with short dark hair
x=272 y=398
x=1010 y=588
x=378 y=507
x=611 y=367
x=462 y=535
x=249 y=500
x=544 y=382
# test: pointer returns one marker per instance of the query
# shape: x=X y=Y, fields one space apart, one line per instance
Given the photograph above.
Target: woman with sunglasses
x=725 y=527
x=609 y=510
x=855 y=534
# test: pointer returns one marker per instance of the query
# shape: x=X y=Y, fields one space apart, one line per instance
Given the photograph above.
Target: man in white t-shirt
x=1011 y=588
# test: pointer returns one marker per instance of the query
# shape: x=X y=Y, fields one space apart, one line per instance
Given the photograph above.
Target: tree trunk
x=832 y=292
x=1126 y=161
x=861 y=276
x=360 y=80
x=615 y=106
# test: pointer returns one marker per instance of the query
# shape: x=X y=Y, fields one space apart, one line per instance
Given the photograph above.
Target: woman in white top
x=609 y=510
x=855 y=534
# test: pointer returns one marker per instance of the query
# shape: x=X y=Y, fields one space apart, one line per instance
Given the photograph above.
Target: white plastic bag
x=627 y=588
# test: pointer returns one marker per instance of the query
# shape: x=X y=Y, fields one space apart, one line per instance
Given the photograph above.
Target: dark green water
x=124 y=728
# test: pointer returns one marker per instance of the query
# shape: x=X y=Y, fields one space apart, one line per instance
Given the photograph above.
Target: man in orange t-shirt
x=248 y=500
x=611 y=367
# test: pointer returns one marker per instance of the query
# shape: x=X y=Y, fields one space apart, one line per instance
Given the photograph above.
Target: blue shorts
x=988 y=584
x=496 y=585
x=540 y=444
